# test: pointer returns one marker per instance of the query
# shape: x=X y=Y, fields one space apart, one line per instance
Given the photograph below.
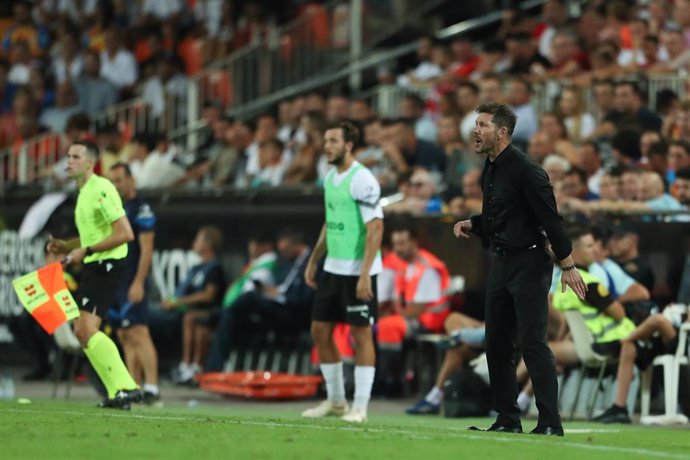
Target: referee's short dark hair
x=349 y=130
x=501 y=115
x=124 y=166
x=91 y=148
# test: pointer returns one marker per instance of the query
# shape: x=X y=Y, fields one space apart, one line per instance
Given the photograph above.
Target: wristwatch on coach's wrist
x=89 y=251
x=568 y=268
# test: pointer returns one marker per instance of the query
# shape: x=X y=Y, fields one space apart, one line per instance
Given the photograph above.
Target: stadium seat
x=583 y=339
x=68 y=345
x=671 y=364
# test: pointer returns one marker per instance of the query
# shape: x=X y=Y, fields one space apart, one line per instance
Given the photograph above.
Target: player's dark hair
x=90 y=147
x=349 y=130
x=501 y=115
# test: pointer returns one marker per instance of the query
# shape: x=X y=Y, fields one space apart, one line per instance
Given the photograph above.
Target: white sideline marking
x=590 y=430
x=456 y=431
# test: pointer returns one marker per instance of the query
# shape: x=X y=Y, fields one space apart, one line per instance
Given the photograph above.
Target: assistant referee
x=102 y=245
x=518 y=215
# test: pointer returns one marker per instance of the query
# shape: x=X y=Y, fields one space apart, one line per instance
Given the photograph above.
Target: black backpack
x=465 y=394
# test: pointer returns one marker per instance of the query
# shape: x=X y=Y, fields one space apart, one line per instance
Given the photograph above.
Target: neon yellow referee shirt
x=98 y=206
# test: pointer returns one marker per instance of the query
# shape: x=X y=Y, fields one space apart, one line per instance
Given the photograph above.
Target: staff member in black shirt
x=518 y=215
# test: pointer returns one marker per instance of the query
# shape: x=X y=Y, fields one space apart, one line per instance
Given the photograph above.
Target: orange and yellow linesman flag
x=45 y=296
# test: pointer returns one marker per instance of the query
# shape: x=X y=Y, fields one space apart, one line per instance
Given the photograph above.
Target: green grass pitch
x=57 y=430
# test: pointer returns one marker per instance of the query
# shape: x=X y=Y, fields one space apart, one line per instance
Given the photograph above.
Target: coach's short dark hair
x=501 y=115
x=91 y=148
x=125 y=168
x=349 y=130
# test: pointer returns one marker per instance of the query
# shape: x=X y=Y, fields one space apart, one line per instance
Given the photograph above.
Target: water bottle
x=6 y=388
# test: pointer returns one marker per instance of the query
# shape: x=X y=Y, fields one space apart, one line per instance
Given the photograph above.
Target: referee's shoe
x=122 y=399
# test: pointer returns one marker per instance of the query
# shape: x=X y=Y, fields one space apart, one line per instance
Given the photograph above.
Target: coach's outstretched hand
x=573 y=279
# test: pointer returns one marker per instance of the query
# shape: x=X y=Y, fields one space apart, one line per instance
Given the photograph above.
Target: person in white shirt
x=162 y=10
x=351 y=240
x=517 y=95
x=151 y=162
x=413 y=107
x=69 y=64
x=118 y=65
x=271 y=165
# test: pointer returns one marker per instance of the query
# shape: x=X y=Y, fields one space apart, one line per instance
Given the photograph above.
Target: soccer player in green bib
x=102 y=245
x=350 y=239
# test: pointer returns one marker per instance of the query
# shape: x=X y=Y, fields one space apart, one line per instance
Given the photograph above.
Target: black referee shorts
x=336 y=301
x=98 y=285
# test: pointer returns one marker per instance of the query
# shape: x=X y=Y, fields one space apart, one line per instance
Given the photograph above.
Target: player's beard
x=337 y=158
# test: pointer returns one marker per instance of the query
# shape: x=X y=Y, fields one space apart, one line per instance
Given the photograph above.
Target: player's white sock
x=151 y=388
x=335 y=381
x=524 y=400
x=364 y=379
x=435 y=396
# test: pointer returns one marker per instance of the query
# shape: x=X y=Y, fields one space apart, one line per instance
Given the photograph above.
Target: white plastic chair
x=671 y=364
x=68 y=344
x=583 y=339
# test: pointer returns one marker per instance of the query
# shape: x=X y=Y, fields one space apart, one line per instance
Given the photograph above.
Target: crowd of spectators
x=61 y=57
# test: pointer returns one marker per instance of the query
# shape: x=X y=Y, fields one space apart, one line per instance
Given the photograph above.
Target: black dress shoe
x=498 y=428
x=548 y=430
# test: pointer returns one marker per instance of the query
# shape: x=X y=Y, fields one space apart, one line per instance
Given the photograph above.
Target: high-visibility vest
x=406 y=288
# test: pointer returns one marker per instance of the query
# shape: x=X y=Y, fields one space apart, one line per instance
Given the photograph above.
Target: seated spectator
x=647 y=139
x=118 y=65
x=266 y=128
x=629 y=111
x=151 y=162
x=553 y=125
x=540 y=146
x=271 y=164
x=23 y=29
x=7 y=89
x=625 y=148
x=524 y=55
x=304 y=168
x=113 y=145
x=610 y=186
x=459 y=158
x=55 y=118
x=492 y=61
x=406 y=151
x=413 y=107
x=337 y=109
x=198 y=296
x=625 y=251
x=221 y=163
x=283 y=304
x=556 y=168
x=517 y=95
x=678 y=155
x=653 y=194
x=22 y=63
x=656 y=160
x=490 y=89
x=567 y=59
x=291 y=132
x=372 y=155
x=166 y=88
x=682 y=186
x=591 y=164
x=604 y=103
x=580 y=124
x=421 y=197
x=575 y=185
x=468 y=100
x=677 y=53
x=412 y=301
x=69 y=64
x=464 y=59
x=604 y=316
x=23 y=111
x=360 y=111
x=43 y=95
x=426 y=69
x=94 y=93
x=655 y=336
x=471 y=200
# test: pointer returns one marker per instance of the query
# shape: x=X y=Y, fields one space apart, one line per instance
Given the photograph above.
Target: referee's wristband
x=89 y=251
x=568 y=268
